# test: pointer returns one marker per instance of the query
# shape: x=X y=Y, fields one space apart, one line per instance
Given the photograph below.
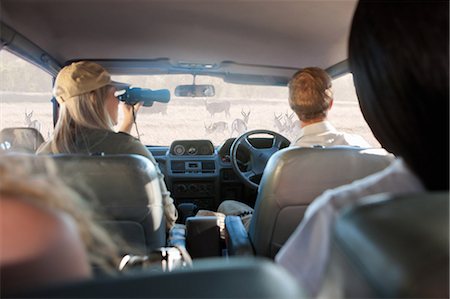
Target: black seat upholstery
x=209 y=278
x=126 y=190
x=20 y=139
x=391 y=247
x=294 y=177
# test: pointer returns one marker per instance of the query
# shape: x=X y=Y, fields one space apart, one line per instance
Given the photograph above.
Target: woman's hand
x=128 y=117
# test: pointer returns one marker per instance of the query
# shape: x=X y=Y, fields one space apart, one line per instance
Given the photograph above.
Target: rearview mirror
x=203 y=90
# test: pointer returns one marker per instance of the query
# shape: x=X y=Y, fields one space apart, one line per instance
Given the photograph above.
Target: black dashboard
x=195 y=171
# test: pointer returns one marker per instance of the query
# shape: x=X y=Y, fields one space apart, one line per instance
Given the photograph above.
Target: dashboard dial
x=192 y=150
x=179 y=150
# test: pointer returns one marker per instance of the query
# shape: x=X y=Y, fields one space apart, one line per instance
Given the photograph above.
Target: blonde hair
x=35 y=180
x=84 y=111
x=310 y=94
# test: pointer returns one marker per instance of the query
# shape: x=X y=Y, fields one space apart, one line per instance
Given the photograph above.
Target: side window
x=345 y=114
x=25 y=94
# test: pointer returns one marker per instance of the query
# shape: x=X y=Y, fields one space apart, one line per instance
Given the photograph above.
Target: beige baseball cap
x=82 y=77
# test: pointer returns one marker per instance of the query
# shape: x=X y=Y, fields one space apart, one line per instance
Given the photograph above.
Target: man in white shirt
x=311 y=98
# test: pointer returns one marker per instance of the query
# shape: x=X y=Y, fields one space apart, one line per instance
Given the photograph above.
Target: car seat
x=125 y=189
x=292 y=179
x=20 y=139
x=236 y=277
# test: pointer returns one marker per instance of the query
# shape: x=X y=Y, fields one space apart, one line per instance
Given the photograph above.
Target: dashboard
x=197 y=172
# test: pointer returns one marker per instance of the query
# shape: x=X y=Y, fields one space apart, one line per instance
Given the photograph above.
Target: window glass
x=25 y=93
x=233 y=110
x=345 y=114
x=207 y=118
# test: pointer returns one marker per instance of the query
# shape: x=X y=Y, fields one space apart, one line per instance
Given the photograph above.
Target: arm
x=128 y=117
x=305 y=254
x=170 y=211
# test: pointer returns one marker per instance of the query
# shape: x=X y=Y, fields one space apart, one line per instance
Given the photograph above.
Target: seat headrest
x=118 y=183
x=20 y=139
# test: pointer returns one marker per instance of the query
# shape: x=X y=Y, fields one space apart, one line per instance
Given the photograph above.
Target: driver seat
x=294 y=177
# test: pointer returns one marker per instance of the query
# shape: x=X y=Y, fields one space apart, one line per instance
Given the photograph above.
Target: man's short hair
x=310 y=93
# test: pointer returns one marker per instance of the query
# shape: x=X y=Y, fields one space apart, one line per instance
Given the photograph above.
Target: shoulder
x=122 y=136
x=46 y=224
x=127 y=144
x=46 y=235
x=355 y=140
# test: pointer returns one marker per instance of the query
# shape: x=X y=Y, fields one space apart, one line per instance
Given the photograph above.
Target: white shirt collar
x=317 y=128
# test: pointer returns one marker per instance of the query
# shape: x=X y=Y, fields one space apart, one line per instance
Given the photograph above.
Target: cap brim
x=119 y=85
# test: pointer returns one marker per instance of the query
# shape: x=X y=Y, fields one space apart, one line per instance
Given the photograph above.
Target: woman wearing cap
x=88 y=114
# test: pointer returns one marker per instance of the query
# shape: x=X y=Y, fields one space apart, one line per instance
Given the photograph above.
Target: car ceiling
x=272 y=38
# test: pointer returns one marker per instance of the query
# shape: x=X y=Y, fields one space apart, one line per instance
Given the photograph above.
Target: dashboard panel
x=197 y=172
x=192 y=148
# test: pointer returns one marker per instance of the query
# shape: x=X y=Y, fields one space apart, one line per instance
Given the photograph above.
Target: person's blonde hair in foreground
x=48 y=234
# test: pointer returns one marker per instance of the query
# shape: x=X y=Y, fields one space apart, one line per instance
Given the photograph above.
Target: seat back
x=126 y=191
x=20 y=139
x=209 y=278
x=391 y=247
x=294 y=177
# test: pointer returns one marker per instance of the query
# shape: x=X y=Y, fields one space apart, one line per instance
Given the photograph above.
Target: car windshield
x=234 y=109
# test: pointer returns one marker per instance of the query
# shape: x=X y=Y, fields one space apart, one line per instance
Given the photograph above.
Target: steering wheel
x=254 y=168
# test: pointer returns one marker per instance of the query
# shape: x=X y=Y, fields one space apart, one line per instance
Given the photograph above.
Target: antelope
x=278 y=123
x=240 y=125
x=291 y=126
x=217 y=127
x=288 y=121
x=31 y=123
x=218 y=107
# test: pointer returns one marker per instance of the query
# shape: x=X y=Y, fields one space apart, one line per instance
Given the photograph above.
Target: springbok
x=292 y=128
x=277 y=120
x=240 y=125
x=288 y=121
x=290 y=125
x=31 y=123
x=217 y=127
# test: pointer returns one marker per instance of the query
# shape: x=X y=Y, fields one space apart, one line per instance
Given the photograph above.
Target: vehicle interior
x=214 y=76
